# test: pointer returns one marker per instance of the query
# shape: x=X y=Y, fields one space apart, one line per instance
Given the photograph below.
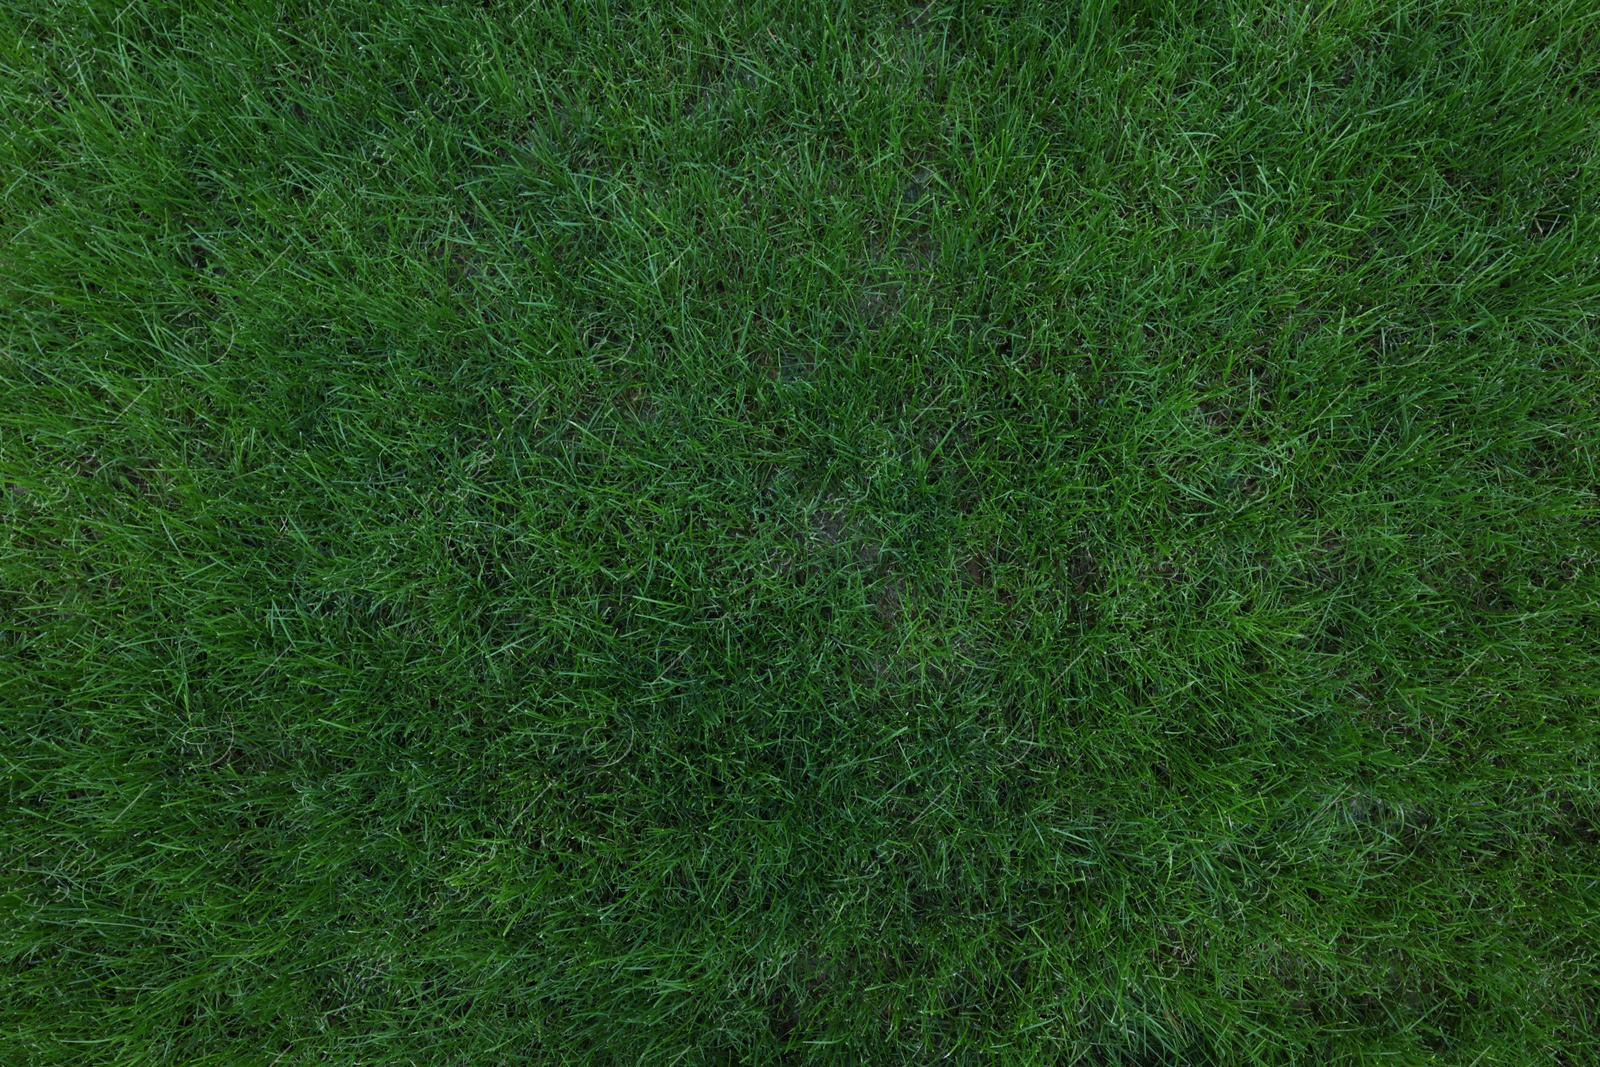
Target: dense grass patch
x=799 y=533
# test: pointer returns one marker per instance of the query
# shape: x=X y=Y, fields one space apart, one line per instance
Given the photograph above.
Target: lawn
x=799 y=533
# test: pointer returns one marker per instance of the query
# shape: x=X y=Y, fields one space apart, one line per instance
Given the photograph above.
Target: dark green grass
x=798 y=534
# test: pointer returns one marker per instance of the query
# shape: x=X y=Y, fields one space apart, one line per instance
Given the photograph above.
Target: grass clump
x=786 y=533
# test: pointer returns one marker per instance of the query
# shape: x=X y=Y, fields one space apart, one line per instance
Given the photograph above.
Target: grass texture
x=798 y=533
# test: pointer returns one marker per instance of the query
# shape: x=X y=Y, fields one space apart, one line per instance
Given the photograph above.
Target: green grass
x=781 y=533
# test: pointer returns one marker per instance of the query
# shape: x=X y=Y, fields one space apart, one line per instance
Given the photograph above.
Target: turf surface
x=786 y=533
